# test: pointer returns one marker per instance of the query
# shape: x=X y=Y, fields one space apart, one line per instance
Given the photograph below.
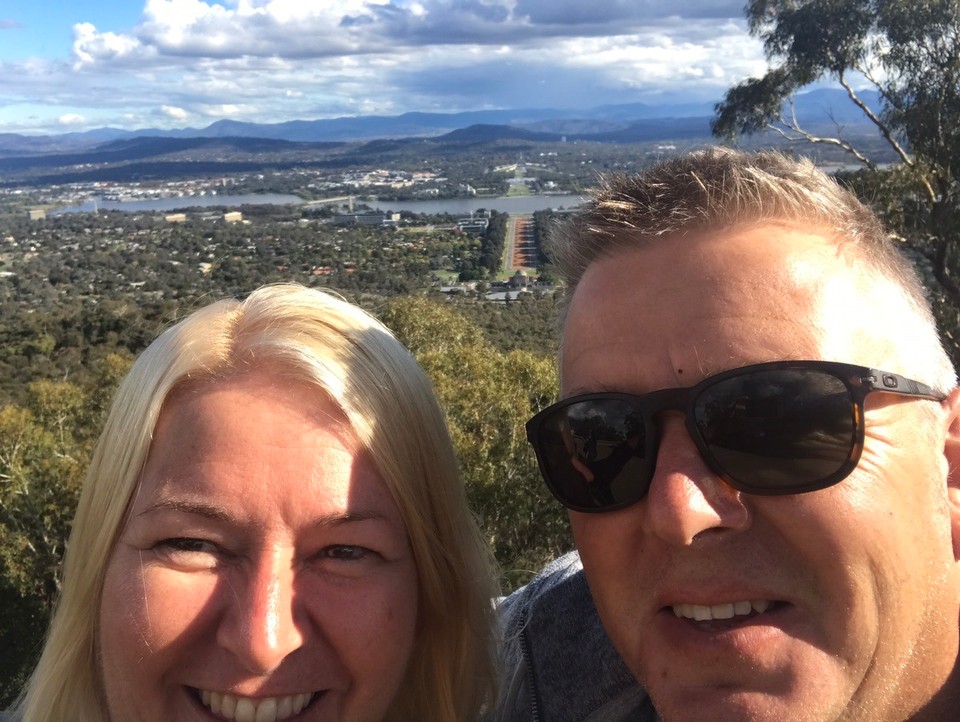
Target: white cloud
x=71 y=119
x=326 y=28
x=172 y=111
x=275 y=60
x=226 y=110
x=276 y=27
x=652 y=60
x=90 y=46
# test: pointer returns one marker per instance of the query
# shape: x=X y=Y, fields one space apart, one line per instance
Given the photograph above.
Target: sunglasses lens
x=778 y=431
x=767 y=431
x=595 y=454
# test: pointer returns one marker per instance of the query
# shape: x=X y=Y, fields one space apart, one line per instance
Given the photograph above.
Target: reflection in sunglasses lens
x=780 y=428
x=597 y=453
x=764 y=430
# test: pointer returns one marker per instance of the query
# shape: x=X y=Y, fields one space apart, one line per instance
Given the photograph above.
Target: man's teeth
x=704 y=613
x=248 y=709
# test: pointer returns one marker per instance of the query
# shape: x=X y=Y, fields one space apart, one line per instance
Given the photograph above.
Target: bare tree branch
x=799 y=134
x=867 y=73
x=938 y=263
x=884 y=130
x=886 y=133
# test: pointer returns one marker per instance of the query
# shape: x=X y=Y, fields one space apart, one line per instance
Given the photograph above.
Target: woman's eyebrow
x=210 y=511
x=348 y=517
x=187 y=506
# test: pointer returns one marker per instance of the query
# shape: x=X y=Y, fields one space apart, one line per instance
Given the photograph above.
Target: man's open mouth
x=735 y=611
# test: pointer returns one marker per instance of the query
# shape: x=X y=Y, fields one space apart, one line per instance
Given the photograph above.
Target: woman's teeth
x=250 y=709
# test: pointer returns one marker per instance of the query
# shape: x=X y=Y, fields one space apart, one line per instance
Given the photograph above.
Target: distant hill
x=144 y=146
x=818 y=107
x=484 y=133
x=13 y=144
x=653 y=129
x=138 y=149
x=637 y=132
x=230 y=146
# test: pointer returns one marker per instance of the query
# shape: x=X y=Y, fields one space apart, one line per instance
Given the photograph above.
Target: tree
x=909 y=51
x=494 y=241
x=39 y=482
x=44 y=448
x=487 y=396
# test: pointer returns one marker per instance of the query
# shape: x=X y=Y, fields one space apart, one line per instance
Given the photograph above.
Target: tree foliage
x=909 y=52
x=487 y=391
x=494 y=241
x=905 y=49
x=487 y=395
x=44 y=447
x=85 y=293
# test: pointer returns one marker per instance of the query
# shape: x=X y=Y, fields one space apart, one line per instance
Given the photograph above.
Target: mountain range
x=624 y=123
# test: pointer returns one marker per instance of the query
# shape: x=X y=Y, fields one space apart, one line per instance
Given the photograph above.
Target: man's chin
x=719 y=705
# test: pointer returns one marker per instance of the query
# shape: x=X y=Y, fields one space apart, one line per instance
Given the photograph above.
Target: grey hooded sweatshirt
x=560 y=666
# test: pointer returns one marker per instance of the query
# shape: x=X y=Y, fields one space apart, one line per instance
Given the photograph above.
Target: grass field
x=446 y=277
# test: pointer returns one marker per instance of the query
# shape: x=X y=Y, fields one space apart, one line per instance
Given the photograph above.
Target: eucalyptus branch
x=884 y=130
x=937 y=260
x=782 y=133
x=867 y=73
x=793 y=125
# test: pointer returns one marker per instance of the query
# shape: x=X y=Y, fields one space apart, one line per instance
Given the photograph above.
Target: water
x=466 y=206
x=453 y=206
x=172 y=204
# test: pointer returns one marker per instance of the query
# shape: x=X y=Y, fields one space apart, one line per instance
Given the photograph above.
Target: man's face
x=857 y=585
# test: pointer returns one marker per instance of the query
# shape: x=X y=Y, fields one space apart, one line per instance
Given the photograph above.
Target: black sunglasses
x=785 y=427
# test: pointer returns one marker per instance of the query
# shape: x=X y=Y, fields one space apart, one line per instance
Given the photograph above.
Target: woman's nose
x=260 y=625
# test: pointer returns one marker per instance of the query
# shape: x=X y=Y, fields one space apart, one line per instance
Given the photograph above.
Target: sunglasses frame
x=860 y=381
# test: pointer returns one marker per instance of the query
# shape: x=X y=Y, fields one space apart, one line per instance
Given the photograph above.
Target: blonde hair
x=720 y=188
x=389 y=403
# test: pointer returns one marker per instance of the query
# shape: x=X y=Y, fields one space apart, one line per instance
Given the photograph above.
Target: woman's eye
x=189 y=545
x=347 y=553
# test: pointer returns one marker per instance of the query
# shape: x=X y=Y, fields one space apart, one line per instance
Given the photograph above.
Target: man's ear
x=951 y=452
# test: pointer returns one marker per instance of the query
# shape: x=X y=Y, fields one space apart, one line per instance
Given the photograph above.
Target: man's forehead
x=738 y=264
x=721 y=300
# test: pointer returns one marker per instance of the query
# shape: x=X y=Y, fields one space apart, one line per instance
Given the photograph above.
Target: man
x=769 y=526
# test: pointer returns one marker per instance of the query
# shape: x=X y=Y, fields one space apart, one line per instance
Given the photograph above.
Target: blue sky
x=44 y=28
x=72 y=65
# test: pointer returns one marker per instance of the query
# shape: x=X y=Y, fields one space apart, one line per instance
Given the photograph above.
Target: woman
x=272 y=527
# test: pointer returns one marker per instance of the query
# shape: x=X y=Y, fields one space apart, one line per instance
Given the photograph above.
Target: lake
x=453 y=206
x=172 y=204
x=466 y=206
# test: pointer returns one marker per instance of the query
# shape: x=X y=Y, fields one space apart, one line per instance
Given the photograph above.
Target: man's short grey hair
x=720 y=188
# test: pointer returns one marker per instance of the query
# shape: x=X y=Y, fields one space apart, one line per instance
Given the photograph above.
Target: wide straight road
x=520 y=250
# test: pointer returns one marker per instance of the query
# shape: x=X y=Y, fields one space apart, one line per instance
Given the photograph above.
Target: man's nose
x=260 y=625
x=686 y=501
